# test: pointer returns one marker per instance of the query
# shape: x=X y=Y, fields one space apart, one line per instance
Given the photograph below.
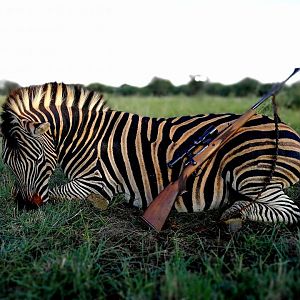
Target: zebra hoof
x=234 y=225
x=98 y=201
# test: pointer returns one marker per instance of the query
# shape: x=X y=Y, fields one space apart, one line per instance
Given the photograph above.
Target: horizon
x=2 y=82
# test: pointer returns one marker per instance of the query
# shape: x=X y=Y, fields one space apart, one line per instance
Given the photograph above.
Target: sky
x=117 y=41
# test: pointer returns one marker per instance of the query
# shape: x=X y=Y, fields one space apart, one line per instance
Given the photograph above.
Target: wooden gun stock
x=159 y=209
x=156 y=214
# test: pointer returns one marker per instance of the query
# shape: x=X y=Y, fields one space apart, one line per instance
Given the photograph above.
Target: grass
x=202 y=104
x=72 y=250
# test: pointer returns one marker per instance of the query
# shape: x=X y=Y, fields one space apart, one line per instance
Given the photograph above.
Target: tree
x=194 y=86
x=101 y=88
x=263 y=89
x=127 y=90
x=8 y=86
x=245 y=87
x=218 y=89
x=293 y=95
x=160 y=87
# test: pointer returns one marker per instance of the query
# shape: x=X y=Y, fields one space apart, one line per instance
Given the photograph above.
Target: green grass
x=202 y=104
x=2 y=99
x=72 y=250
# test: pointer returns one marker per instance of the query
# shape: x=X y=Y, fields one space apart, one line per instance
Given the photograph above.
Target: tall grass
x=70 y=249
x=201 y=104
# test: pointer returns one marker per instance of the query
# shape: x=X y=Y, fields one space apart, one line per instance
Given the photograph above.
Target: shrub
x=194 y=86
x=127 y=90
x=160 y=87
x=294 y=95
x=218 y=89
x=7 y=87
x=101 y=88
x=264 y=88
x=245 y=87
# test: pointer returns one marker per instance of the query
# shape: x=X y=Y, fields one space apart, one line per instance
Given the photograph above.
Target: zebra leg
x=79 y=188
x=272 y=206
x=71 y=190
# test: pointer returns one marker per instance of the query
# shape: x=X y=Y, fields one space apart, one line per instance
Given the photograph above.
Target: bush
x=160 y=87
x=218 y=89
x=127 y=90
x=245 y=87
x=145 y=91
x=101 y=88
x=194 y=86
x=264 y=88
x=7 y=87
x=293 y=95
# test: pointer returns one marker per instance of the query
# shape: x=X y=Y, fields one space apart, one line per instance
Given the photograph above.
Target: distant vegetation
x=290 y=96
x=7 y=86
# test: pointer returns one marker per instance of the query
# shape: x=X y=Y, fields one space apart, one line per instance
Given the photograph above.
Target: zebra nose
x=37 y=200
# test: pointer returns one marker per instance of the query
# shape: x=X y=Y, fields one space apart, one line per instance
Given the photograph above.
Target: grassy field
x=72 y=250
x=183 y=105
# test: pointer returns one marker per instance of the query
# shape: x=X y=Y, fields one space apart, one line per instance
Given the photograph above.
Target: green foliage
x=293 y=95
x=2 y=99
x=190 y=105
x=194 y=87
x=7 y=181
x=160 y=87
x=127 y=90
x=101 y=88
x=7 y=87
x=145 y=91
x=245 y=87
x=290 y=96
x=218 y=89
x=264 y=88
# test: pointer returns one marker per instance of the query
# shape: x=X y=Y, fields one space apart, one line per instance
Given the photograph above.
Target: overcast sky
x=116 y=42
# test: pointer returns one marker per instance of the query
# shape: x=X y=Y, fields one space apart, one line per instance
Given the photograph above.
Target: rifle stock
x=156 y=214
x=159 y=209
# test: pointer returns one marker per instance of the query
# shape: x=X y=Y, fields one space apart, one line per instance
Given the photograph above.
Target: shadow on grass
x=72 y=250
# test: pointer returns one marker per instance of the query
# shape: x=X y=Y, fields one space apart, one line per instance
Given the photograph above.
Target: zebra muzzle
x=37 y=200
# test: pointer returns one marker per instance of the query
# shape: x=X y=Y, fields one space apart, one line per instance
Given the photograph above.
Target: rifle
x=159 y=209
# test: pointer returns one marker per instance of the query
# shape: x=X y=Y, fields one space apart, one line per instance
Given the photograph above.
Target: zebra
x=104 y=152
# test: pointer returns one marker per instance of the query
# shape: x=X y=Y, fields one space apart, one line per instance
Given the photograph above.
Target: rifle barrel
x=276 y=88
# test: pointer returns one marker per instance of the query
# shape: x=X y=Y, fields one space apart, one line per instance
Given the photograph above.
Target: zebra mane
x=57 y=94
x=24 y=102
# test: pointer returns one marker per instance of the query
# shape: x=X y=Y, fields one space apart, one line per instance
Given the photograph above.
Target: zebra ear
x=37 y=129
x=40 y=128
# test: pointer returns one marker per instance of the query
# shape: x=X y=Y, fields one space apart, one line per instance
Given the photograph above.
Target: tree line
x=163 y=87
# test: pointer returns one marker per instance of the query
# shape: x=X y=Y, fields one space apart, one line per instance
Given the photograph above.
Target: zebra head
x=28 y=150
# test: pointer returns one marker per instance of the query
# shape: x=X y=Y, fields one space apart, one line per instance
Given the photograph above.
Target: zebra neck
x=73 y=131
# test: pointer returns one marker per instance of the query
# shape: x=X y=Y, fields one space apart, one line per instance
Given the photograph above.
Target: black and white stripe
x=107 y=152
